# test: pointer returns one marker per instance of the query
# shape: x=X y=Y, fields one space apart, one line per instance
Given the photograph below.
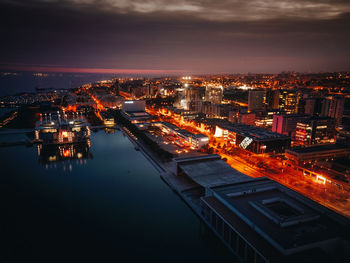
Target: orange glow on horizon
x=88 y=70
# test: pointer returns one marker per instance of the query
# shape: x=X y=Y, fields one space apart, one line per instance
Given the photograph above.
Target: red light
x=66 y=153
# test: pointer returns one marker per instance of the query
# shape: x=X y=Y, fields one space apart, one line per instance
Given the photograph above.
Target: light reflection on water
x=110 y=205
x=64 y=155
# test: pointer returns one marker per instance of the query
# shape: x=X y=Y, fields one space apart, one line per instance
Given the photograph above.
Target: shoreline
x=187 y=191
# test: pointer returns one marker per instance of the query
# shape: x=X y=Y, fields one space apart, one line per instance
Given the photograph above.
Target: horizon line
x=87 y=70
x=62 y=69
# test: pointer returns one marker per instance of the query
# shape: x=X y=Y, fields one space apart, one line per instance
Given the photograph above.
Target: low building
x=300 y=155
x=207 y=170
x=196 y=141
x=108 y=119
x=247 y=118
x=263 y=221
x=253 y=139
x=134 y=105
x=134 y=110
x=58 y=130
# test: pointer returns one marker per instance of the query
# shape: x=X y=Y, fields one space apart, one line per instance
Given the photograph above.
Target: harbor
x=85 y=199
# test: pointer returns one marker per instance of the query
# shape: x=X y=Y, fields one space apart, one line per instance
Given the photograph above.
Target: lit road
x=126 y=95
x=327 y=195
x=99 y=105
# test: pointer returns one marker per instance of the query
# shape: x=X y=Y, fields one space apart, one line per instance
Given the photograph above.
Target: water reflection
x=109 y=130
x=50 y=155
x=93 y=213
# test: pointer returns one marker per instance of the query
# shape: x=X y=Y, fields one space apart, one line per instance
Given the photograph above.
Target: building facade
x=315 y=130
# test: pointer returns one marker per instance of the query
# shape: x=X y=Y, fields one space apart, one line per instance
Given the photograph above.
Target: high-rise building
x=289 y=100
x=336 y=109
x=332 y=107
x=286 y=123
x=115 y=87
x=196 y=105
x=315 y=130
x=316 y=106
x=193 y=94
x=272 y=99
x=256 y=100
x=180 y=99
x=212 y=110
x=214 y=94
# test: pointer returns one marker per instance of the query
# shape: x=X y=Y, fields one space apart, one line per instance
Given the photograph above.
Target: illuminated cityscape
x=218 y=140
x=181 y=131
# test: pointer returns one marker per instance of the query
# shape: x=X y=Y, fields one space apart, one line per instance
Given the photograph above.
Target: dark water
x=110 y=207
x=28 y=82
x=3 y=111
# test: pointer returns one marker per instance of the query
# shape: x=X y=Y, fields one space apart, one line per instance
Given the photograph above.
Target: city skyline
x=139 y=129
x=271 y=151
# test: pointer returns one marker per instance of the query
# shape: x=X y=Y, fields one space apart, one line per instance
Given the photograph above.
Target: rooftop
x=177 y=129
x=211 y=172
x=253 y=132
x=287 y=220
x=319 y=148
x=60 y=122
x=137 y=114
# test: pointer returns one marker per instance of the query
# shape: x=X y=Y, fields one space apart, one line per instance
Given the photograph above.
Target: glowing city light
x=66 y=153
x=246 y=142
x=65 y=134
x=218 y=132
x=320 y=179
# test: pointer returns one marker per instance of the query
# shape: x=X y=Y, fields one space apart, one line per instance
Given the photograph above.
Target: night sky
x=199 y=36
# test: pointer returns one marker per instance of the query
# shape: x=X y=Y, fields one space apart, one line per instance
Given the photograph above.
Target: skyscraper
x=256 y=100
x=336 y=109
x=316 y=106
x=272 y=99
x=214 y=94
x=289 y=100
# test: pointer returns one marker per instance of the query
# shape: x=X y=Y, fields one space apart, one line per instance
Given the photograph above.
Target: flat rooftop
x=319 y=148
x=136 y=114
x=212 y=172
x=293 y=115
x=57 y=123
x=176 y=129
x=285 y=219
x=253 y=132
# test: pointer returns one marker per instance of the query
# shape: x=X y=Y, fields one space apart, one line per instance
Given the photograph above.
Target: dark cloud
x=221 y=10
x=198 y=36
